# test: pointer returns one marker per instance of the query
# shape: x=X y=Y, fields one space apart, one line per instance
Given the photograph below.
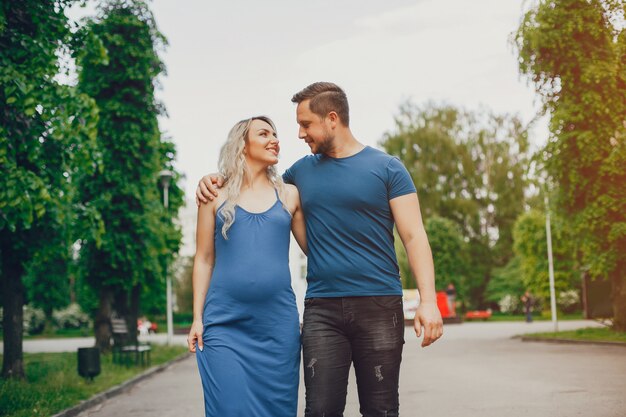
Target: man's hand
x=207 y=188
x=429 y=317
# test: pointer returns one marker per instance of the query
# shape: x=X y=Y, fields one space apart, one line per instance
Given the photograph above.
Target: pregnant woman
x=245 y=330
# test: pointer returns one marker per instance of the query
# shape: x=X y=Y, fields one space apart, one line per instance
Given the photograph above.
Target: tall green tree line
x=47 y=137
x=531 y=248
x=469 y=168
x=119 y=64
x=60 y=181
x=574 y=53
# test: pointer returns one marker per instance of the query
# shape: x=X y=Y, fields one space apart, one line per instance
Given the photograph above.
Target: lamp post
x=550 y=265
x=165 y=177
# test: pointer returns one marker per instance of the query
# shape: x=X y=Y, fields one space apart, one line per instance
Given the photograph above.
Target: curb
x=570 y=341
x=118 y=389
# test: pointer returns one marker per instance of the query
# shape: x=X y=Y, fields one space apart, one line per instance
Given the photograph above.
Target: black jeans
x=368 y=331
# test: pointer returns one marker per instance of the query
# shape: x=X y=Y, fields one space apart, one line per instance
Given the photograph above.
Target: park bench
x=125 y=350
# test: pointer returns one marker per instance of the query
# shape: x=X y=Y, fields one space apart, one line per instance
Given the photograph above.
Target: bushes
x=568 y=301
x=71 y=317
x=34 y=320
x=509 y=304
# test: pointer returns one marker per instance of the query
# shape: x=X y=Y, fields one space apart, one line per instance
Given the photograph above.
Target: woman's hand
x=195 y=335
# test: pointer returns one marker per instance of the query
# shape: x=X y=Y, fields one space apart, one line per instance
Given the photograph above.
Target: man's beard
x=326 y=145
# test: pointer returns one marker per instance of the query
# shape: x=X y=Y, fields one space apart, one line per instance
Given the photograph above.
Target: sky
x=229 y=60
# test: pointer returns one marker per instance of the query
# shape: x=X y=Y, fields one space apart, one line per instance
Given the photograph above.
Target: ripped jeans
x=366 y=331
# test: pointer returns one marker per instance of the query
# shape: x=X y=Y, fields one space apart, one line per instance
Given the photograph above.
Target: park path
x=475 y=370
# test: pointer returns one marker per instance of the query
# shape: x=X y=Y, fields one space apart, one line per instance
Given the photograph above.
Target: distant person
x=246 y=329
x=527 y=301
x=351 y=196
x=144 y=326
x=451 y=295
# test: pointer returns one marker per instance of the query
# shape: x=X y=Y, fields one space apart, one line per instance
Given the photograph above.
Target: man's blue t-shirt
x=349 y=224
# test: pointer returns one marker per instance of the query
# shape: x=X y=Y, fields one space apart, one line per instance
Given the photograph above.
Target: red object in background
x=442 y=304
x=478 y=315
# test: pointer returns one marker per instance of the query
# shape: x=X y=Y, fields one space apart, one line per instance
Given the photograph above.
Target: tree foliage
x=574 y=52
x=447 y=245
x=47 y=137
x=469 y=168
x=119 y=65
x=532 y=250
x=506 y=281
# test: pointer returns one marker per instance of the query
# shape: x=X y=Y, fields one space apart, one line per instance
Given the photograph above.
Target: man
x=351 y=196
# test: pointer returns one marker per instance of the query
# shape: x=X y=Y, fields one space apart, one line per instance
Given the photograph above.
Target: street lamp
x=165 y=177
x=550 y=264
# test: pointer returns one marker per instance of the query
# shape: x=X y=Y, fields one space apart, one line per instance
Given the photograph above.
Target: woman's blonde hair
x=232 y=165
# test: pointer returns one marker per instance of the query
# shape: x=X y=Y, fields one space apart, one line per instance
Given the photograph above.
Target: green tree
x=46 y=280
x=469 y=168
x=47 y=133
x=574 y=53
x=446 y=243
x=118 y=66
x=184 y=285
x=532 y=250
x=507 y=280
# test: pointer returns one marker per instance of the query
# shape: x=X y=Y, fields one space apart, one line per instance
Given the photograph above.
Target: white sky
x=228 y=60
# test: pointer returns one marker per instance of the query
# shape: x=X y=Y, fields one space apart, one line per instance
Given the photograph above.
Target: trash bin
x=89 y=362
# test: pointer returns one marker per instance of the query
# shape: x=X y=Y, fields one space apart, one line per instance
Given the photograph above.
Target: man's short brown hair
x=325 y=97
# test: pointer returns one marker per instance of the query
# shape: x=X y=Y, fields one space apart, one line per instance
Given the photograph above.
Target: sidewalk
x=175 y=392
x=475 y=370
x=71 y=344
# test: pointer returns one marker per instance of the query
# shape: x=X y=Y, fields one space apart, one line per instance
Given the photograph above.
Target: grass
x=61 y=333
x=497 y=316
x=54 y=333
x=52 y=382
x=589 y=334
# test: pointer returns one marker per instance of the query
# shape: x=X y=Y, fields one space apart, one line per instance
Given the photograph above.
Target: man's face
x=314 y=130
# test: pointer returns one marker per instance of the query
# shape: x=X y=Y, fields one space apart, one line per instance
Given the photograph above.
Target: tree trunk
x=133 y=311
x=618 y=295
x=127 y=306
x=12 y=291
x=102 y=325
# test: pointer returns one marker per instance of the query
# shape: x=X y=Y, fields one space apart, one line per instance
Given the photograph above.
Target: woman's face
x=262 y=146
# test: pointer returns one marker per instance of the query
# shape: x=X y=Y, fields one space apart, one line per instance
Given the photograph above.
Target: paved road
x=475 y=370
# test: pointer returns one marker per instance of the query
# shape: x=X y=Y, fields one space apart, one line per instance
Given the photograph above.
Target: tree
x=469 y=168
x=531 y=248
x=506 y=281
x=446 y=243
x=118 y=66
x=184 y=285
x=573 y=51
x=47 y=133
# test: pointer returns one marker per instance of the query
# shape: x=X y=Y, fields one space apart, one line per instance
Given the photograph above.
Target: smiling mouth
x=273 y=150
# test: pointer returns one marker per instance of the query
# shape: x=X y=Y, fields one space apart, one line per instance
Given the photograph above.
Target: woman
x=245 y=331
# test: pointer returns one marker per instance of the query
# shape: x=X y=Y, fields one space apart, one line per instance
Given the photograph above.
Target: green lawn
x=52 y=382
x=496 y=316
x=87 y=332
x=61 y=333
x=591 y=334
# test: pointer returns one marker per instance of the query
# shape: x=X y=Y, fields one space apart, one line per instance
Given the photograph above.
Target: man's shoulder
x=305 y=161
x=378 y=157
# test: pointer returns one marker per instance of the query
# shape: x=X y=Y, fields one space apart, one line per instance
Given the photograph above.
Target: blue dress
x=251 y=359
